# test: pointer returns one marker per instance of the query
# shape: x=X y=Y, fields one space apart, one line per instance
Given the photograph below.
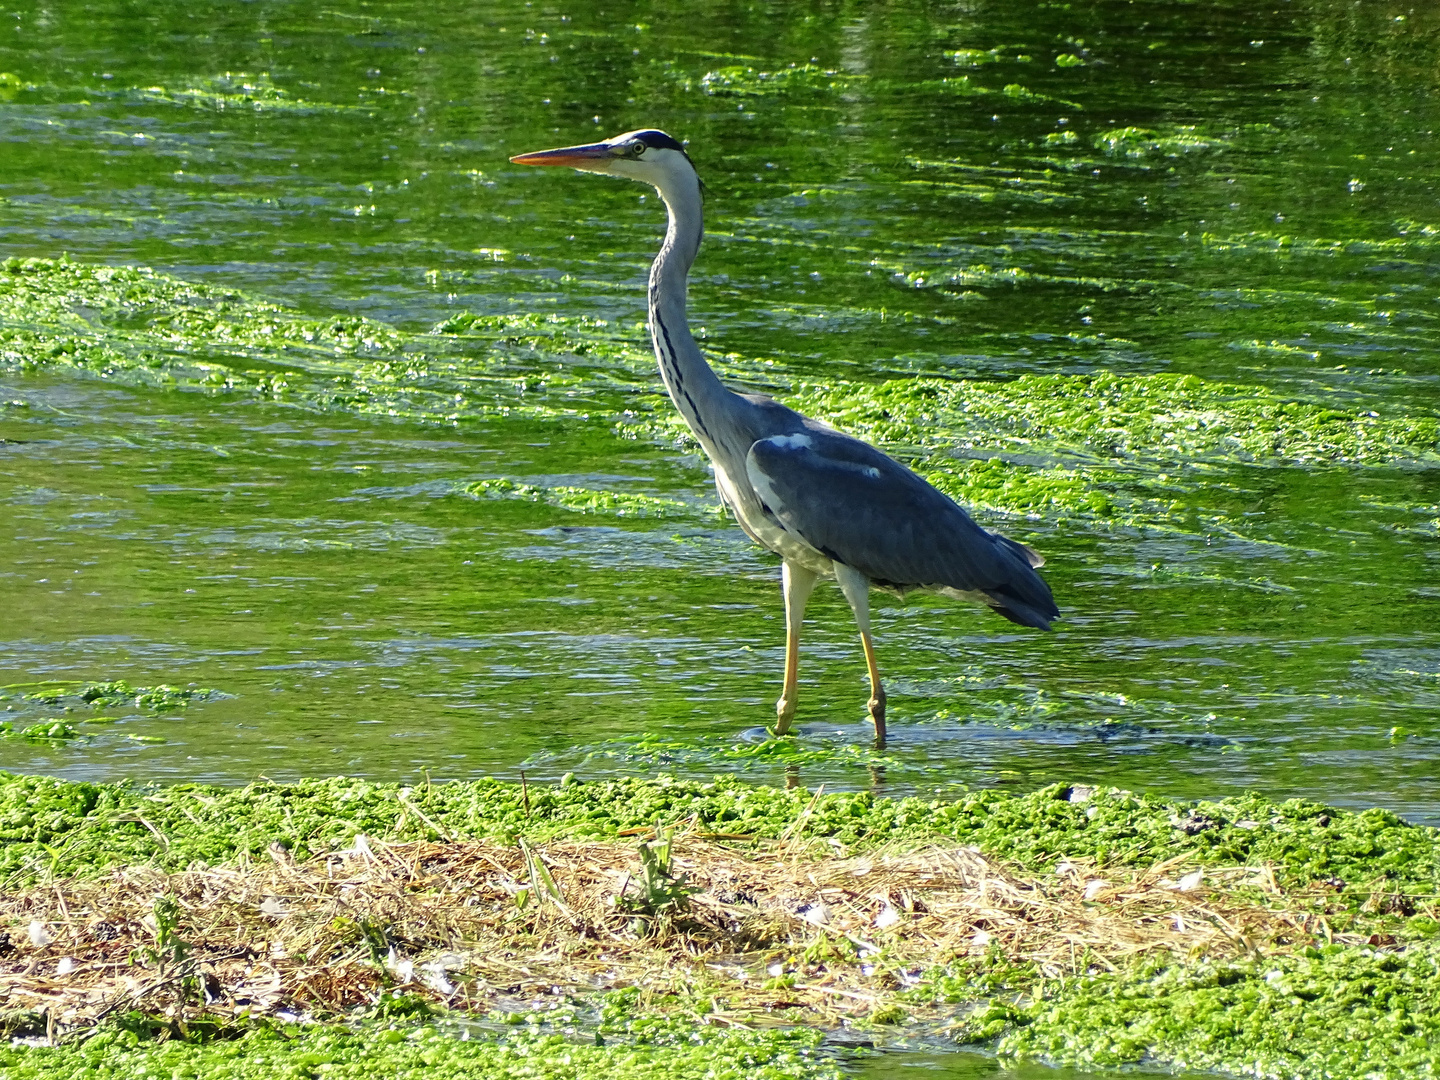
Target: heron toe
x=784 y=713
x=876 y=706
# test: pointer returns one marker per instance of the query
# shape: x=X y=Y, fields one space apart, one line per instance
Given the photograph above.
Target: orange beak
x=577 y=157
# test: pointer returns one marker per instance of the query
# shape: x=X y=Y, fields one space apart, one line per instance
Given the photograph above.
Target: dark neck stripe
x=670 y=367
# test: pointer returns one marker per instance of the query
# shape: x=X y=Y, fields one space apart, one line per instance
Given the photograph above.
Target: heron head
x=649 y=156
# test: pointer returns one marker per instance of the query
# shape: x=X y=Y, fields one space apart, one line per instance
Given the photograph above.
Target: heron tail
x=1025 y=598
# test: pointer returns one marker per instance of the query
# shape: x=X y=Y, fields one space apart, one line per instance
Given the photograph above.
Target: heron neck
x=693 y=386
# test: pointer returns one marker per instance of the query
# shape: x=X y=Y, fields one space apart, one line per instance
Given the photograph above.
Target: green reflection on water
x=1148 y=285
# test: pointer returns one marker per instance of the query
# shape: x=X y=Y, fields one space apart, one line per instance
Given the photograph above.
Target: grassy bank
x=1089 y=926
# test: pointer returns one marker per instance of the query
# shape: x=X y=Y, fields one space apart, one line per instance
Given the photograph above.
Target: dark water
x=979 y=190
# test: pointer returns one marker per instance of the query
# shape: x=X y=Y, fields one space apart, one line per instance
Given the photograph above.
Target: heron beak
x=577 y=157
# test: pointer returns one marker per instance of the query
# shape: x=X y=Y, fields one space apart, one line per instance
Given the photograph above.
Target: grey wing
x=861 y=508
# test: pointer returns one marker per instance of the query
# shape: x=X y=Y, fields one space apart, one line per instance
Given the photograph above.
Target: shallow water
x=951 y=1065
x=984 y=192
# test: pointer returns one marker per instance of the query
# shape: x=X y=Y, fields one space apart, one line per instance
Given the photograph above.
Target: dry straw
x=479 y=925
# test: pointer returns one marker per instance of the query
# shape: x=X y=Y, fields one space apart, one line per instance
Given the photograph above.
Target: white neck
x=693 y=386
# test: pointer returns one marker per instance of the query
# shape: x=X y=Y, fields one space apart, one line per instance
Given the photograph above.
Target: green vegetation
x=41 y=731
x=1329 y=1013
x=55 y=826
x=1103 y=437
x=1137 y=142
x=170 y=326
x=109 y=694
x=131 y=324
x=1148 y=418
x=234 y=90
x=660 y=895
x=747 y=82
x=1055 y=494
x=974 y=57
x=587 y=500
x=1308 y=1011
x=531 y=1049
x=736 y=758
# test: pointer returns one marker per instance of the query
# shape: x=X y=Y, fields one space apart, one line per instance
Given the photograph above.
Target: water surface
x=380 y=564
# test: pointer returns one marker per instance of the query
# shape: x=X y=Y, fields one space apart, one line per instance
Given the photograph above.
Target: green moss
x=1335 y=1012
x=49 y=825
x=644 y=1050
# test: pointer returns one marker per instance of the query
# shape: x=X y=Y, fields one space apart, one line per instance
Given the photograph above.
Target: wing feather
x=862 y=508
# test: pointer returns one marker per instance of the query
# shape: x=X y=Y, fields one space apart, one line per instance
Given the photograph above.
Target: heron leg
x=856 y=587
x=798 y=583
x=876 y=704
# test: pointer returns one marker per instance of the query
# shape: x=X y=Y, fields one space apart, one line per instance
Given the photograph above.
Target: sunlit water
x=975 y=190
x=922 y=1065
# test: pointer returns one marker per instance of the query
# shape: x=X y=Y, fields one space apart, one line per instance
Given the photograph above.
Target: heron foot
x=784 y=713
x=876 y=707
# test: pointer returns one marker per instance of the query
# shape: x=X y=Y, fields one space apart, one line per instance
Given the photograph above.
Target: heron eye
x=637 y=148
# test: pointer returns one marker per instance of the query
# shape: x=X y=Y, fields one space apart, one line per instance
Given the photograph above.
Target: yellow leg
x=785 y=707
x=798 y=584
x=876 y=703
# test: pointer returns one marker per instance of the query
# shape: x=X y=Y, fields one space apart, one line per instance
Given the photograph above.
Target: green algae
x=234 y=90
x=1138 y=142
x=982 y=184
x=645 y=1049
x=974 y=57
x=1057 y=494
x=740 y=81
x=1322 y=1011
x=1330 y=1012
x=590 y=500
x=1159 y=419
x=735 y=758
x=56 y=826
x=49 y=730
x=114 y=692
x=131 y=324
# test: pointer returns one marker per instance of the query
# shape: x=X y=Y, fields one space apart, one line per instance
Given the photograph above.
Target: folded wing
x=859 y=507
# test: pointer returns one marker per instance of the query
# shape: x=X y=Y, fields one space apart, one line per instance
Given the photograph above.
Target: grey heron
x=828 y=504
